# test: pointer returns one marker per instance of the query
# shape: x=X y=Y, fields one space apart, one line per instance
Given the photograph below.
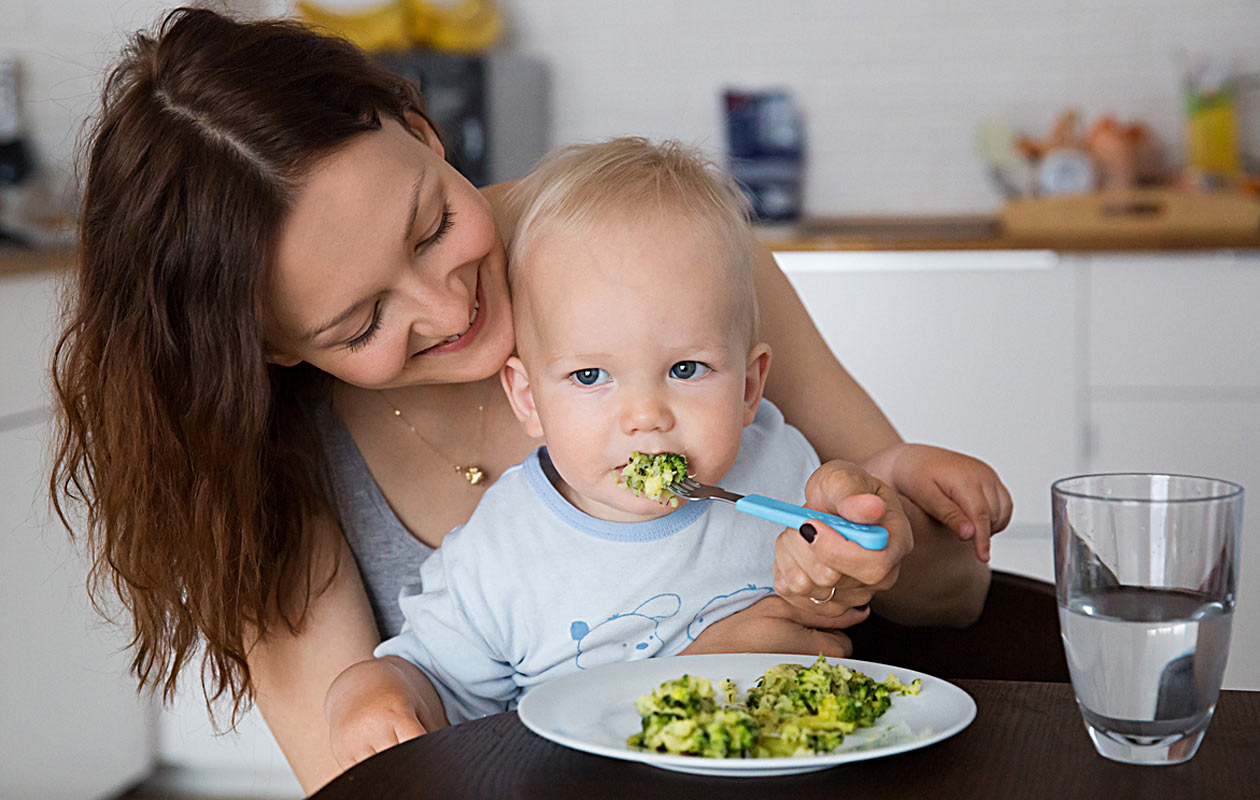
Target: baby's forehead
x=614 y=237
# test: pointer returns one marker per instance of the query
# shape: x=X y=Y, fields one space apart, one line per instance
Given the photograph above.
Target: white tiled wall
x=891 y=90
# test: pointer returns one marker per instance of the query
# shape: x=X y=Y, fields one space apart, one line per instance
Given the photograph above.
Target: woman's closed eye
x=590 y=376
x=363 y=339
x=444 y=224
x=689 y=370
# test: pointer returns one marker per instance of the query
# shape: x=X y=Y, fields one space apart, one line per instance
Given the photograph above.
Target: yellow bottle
x=1212 y=131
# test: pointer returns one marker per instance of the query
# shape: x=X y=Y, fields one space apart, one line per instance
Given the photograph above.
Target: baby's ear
x=520 y=396
x=755 y=379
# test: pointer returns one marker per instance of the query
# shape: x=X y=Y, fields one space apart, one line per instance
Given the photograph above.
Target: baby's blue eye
x=591 y=376
x=686 y=370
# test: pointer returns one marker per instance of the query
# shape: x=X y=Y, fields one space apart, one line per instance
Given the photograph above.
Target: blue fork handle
x=872 y=537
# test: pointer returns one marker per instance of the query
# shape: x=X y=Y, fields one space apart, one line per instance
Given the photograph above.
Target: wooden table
x=1027 y=740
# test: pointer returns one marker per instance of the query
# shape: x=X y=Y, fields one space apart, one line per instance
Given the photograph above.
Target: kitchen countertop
x=969 y=232
x=854 y=234
x=21 y=261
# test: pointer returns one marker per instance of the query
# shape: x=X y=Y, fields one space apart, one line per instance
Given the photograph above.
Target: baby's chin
x=638 y=509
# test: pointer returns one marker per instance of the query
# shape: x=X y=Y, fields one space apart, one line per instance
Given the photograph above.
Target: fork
x=872 y=537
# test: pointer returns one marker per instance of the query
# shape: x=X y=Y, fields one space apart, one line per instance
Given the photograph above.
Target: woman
x=277 y=384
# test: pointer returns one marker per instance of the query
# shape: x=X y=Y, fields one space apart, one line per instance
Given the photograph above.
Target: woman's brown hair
x=191 y=465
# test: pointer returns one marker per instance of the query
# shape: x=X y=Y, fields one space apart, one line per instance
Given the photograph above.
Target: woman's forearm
x=941 y=582
x=807 y=382
x=292 y=672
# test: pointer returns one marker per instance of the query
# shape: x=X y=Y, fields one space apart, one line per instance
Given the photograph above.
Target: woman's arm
x=807 y=382
x=940 y=581
x=292 y=672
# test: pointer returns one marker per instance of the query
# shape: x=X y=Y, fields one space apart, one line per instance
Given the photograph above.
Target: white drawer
x=28 y=325
x=1216 y=439
x=1179 y=321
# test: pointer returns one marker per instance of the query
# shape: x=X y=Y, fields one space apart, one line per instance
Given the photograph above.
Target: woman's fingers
x=828 y=642
x=1006 y=507
x=373 y=735
x=407 y=728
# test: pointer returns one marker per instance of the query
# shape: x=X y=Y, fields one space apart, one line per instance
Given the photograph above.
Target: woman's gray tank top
x=388 y=556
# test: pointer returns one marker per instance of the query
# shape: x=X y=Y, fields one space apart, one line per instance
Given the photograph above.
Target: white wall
x=63 y=49
x=892 y=89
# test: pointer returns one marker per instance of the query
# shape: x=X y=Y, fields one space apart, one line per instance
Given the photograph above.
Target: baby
x=637 y=330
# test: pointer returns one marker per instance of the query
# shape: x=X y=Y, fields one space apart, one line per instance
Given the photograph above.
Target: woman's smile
x=468 y=336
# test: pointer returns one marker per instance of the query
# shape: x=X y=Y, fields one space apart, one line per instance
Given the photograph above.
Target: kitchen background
x=1039 y=359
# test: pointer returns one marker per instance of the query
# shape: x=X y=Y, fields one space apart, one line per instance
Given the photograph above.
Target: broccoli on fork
x=650 y=476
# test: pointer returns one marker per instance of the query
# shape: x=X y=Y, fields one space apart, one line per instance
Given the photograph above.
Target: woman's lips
x=466 y=338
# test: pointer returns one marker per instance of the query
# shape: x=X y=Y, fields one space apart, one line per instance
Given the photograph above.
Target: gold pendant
x=473 y=475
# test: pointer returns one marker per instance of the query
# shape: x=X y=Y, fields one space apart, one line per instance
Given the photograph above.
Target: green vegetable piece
x=793 y=710
x=651 y=475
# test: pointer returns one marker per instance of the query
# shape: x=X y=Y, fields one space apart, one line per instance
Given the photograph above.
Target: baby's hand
x=375 y=704
x=831 y=575
x=962 y=492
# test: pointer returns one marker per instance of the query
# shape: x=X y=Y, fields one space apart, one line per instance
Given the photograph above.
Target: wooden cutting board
x=1155 y=217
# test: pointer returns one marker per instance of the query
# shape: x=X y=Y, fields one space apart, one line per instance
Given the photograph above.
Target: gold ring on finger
x=825 y=600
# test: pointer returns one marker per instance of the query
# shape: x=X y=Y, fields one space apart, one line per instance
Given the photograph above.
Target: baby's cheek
x=714 y=458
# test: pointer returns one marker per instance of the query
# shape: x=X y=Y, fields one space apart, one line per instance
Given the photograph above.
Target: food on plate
x=650 y=475
x=792 y=710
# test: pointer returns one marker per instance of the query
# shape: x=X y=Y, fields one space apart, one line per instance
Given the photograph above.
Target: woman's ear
x=424 y=129
x=520 y=396
x=755 y=379
x=280 y=359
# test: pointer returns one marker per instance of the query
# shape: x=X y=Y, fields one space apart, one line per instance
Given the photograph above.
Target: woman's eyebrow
x=409 y=225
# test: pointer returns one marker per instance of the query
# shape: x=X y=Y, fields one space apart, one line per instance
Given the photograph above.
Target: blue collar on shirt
x=646 y=531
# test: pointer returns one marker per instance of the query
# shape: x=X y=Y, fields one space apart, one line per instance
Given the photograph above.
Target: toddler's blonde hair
x=584 y=185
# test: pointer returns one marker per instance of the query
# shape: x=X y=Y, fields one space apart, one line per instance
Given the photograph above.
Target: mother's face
x=387 y=254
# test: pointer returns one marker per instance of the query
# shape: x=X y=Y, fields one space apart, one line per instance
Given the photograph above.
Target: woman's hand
x=964 y=493
x=376 y=704
x=772 y=625
x=831 y=575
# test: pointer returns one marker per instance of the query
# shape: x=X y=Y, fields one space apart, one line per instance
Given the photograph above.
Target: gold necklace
x=470 y=472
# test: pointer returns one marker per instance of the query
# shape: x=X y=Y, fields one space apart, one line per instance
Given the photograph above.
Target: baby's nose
x=646 y=412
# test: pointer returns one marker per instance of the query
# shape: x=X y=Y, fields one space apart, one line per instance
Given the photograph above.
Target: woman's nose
x=645 y=412
x=441 y=306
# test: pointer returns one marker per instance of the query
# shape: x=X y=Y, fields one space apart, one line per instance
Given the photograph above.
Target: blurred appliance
x=16 y=163
x=765 y=138
x=493 y=110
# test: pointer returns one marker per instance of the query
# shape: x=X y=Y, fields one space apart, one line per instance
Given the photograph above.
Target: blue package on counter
x=765 y=151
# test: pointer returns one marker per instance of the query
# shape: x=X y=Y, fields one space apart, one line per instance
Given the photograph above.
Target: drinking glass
x=1145 y=570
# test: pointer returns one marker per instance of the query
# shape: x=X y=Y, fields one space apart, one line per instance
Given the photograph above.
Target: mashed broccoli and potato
x=793 y=710
x=651 y=476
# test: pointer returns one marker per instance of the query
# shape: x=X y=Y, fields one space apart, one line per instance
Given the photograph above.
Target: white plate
x=593 y=711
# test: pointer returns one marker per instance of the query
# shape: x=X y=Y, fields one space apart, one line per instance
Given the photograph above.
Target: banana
x=463 y=27
x=382 y=27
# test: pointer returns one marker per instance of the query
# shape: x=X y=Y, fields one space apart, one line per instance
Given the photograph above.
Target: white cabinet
x=976 y=352
x=1174 y=386
x=1159 y=323
x=1048 y=366
x=28 y=303
x=71 y=724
